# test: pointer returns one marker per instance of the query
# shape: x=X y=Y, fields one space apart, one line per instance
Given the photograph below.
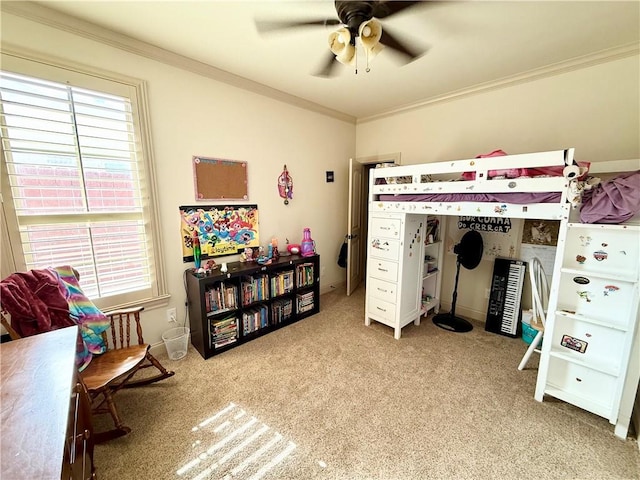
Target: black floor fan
x=469 y=252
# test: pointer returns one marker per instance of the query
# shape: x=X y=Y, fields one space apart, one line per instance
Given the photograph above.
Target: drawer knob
x=383 y=269
x=578 y=379
x=381 y=309
x=382 y=290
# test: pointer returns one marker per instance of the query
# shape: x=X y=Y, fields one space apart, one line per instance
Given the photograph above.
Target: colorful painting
x=222 y=230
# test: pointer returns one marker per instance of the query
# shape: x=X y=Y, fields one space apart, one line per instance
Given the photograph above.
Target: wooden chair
x=115 y=369
x=110 y=371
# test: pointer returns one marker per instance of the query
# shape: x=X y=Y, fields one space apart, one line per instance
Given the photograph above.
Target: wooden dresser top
x=36 y=381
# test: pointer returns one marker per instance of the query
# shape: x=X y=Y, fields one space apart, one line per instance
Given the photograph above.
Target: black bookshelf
x=250 y=300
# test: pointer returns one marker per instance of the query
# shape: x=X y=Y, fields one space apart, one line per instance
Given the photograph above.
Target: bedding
x=614 y=201
x=551 y=171
x=519 y=198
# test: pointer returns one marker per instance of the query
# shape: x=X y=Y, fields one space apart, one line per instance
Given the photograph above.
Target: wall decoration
x=539 y=239
x=222 y=230
x=285 y=186
x=541 y=232
x=544 y=253
x=219 y=179
x=500 y=235
x=485 y=224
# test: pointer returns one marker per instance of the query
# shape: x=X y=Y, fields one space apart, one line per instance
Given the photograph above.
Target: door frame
x=369 y=162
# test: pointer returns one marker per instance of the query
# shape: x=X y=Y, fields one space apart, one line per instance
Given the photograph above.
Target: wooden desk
x=37 y=377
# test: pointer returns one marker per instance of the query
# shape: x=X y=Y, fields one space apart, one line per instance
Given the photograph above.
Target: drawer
x=382 y=269
x=385 y=227
x=596 y=345
x=381 y=247
x=383 y=290
x=382 y=309
x=588 y=388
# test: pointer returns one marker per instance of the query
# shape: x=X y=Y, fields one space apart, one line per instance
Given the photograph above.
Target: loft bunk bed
x=534 y=185
x=592 y=356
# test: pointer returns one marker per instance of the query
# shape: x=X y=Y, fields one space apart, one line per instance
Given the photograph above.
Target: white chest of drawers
x=394 y=269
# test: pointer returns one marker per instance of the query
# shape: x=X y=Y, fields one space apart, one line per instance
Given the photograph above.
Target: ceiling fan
x=357 y=20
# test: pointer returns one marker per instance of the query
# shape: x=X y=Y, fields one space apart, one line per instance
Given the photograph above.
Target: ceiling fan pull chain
x=356 y=62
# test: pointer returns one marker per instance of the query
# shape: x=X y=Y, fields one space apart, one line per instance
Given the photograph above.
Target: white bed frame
x=416 y=179
x=481 y=184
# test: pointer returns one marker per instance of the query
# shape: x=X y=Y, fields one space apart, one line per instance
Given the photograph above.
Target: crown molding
x=61 y=21
x=47 y=16
x=559 y=68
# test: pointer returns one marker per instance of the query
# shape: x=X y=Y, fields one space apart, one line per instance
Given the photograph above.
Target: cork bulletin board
x=219 y=179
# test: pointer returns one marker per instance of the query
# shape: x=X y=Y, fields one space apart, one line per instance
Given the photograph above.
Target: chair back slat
x=121 y=324
x=539 y=290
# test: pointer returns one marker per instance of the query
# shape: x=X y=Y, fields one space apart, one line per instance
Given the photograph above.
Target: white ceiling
x=470 y=43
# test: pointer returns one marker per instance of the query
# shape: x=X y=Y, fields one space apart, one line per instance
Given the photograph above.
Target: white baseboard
x=332 y=287
x=470 y=313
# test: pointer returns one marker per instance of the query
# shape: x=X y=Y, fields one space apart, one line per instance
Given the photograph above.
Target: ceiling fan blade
x=266 y=26
x=389 y=40
x=385 y=9
x=328 y=68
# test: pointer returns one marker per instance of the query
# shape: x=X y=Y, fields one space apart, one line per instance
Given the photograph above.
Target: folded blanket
x=48 y=299
x=35 y=302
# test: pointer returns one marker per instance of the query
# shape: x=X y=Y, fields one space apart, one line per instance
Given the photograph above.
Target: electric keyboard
x=503 y=312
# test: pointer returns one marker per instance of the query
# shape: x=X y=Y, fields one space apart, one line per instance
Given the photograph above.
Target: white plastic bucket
x=176 y=340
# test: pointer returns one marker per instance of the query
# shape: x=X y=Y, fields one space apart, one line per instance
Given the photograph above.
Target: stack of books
x=305 y=302
x=224 y=332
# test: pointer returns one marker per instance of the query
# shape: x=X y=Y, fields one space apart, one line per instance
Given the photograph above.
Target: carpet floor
x=329 y=398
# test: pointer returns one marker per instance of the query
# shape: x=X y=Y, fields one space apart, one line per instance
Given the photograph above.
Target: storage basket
x=528 y=333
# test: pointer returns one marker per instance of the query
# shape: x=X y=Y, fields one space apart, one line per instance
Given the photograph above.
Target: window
x=78 y=181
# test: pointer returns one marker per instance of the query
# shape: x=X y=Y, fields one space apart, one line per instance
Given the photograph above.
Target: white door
x=354 y=226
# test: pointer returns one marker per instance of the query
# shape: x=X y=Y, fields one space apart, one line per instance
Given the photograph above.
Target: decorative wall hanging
x=222 y=230
x=539 y=240
x=219 y=179
x=285 y=185
x=541 y=232
x=500 y=234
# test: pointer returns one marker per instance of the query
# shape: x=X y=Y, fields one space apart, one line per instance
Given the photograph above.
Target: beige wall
x=194 y=115
x=596 y=110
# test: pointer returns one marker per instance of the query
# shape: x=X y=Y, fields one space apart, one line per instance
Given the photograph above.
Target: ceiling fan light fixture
x=348 y=55
x=338 y=40
x=340 y=45
x=370 y=33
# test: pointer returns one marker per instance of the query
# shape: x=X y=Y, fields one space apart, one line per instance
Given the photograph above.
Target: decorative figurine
x=247 y=255
x=196 y=251
x=307 y=246
x=210 y=265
